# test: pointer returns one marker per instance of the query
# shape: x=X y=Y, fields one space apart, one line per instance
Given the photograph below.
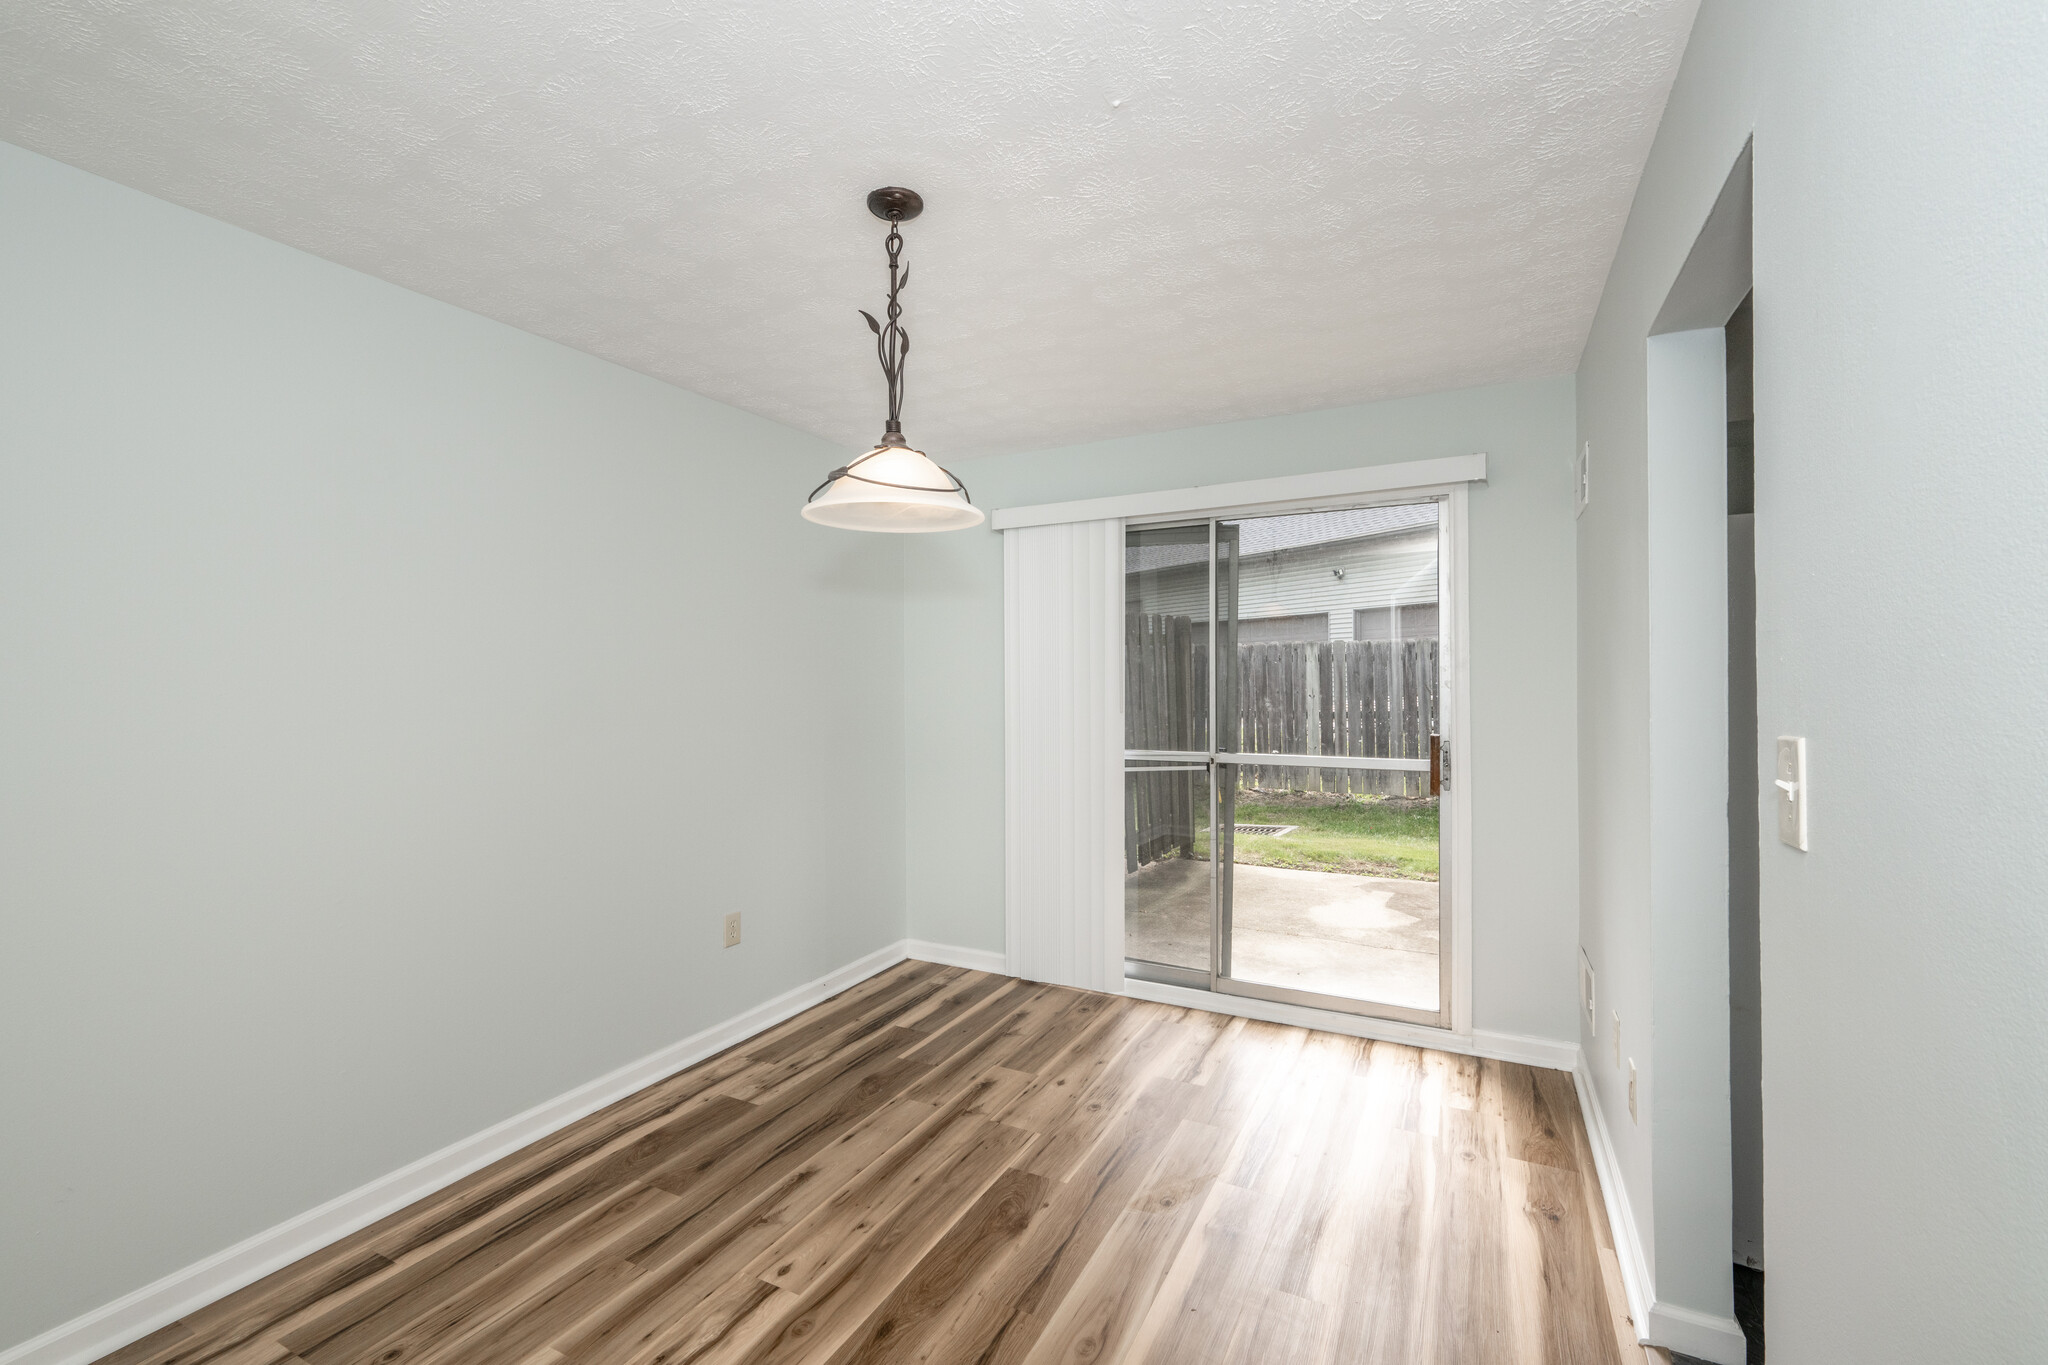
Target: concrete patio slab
x=1361 y=938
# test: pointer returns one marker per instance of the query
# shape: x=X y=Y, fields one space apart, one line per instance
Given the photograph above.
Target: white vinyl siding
x=1418 y=621
x=1278 y=629
x=1379 y=572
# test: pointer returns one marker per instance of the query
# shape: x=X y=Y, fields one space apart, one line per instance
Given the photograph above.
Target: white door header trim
x=1293 y=492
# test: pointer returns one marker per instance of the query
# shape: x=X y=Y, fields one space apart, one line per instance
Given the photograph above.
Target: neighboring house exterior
x=1365 y=574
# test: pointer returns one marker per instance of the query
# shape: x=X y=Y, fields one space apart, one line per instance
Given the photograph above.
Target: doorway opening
x=1745 y=946
x=1703 y=771
x=1286 y=733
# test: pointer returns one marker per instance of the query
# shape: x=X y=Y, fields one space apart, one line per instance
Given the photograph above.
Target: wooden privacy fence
x=1166 y=683
x=1166 y=706
x=1365 y=698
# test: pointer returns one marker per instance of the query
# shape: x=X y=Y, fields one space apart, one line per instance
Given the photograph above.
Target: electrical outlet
x=1586 y=993
x=1633 y=1116
x=732 y=930
x=1617 y=1039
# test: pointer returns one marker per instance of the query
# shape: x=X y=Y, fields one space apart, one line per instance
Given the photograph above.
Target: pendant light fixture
x=892 y=487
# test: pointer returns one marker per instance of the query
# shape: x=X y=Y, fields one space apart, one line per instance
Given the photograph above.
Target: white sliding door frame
x=1446 y=480
x=1454 y=885
x=1332 y=489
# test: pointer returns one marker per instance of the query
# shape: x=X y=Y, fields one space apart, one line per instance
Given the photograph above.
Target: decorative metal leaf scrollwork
x=892 y=342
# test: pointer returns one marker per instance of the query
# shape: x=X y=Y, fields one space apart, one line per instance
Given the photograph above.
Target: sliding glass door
x=1284 y=722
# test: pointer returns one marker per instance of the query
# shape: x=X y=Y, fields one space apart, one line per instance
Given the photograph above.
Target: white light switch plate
x=1791 y=788
x=1582 y=478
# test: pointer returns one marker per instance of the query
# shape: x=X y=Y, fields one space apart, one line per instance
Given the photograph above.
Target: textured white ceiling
x=1139 y=216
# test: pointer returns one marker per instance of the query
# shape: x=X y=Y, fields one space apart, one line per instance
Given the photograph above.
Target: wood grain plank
x=483 y=1192
x=1107 y=1099
x=839 y=1230
x=350 y=1335
x=1377 y=1324
x=1308 y=1233
x=698 y=1274
x=347 y=1287
x=507 y=1225
x=1081 y=1017
x=743 y=1314
x=966 y=995
x=937 y=1282
x=533 y=1277
x=999 y=1319
x=961 y=993
x=1535 y=1133
x=255 y=1313
x=1279 y=1326
x=841 y=1304
x=1055 y=1089
x=526 y=1333
x=1250 y=1076
x=1569 y=1270
x=753 y=1154
x=1248 y=1241
x=1195 y=1312
x=1098 y=1318
x=1464 y=1301
x=1197 y=1037
x=989 y=1012
x=788 y=1069
x=892 y=991
x=1519 y=1322
x=991 y=1046
x=155 y=1346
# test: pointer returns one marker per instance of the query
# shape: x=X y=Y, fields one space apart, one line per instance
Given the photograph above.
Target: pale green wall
x=391 y=704
x=1901 y=165
x=1522 y=755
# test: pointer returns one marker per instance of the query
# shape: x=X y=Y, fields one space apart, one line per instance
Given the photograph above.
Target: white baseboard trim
x=946 y=955
x=1550 y=1053
x=1704 y=1335
x=1621 y=1219
x=1503 y=1047
x=136 y=1315
x=1698 y=1334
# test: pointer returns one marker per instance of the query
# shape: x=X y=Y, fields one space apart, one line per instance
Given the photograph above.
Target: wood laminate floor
x=945 y=1166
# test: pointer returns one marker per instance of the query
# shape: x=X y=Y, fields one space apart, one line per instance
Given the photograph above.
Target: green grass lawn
x=1365 y=835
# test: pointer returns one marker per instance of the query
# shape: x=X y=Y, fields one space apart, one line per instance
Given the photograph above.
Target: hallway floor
x=946 y=1166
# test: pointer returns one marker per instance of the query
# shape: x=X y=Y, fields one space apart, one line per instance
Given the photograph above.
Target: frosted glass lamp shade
x=894 y=488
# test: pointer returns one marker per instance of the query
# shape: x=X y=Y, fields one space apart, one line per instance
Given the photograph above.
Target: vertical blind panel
x=1063 y=662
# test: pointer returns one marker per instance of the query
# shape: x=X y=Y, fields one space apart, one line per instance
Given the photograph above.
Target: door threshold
x=1304 y=1016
